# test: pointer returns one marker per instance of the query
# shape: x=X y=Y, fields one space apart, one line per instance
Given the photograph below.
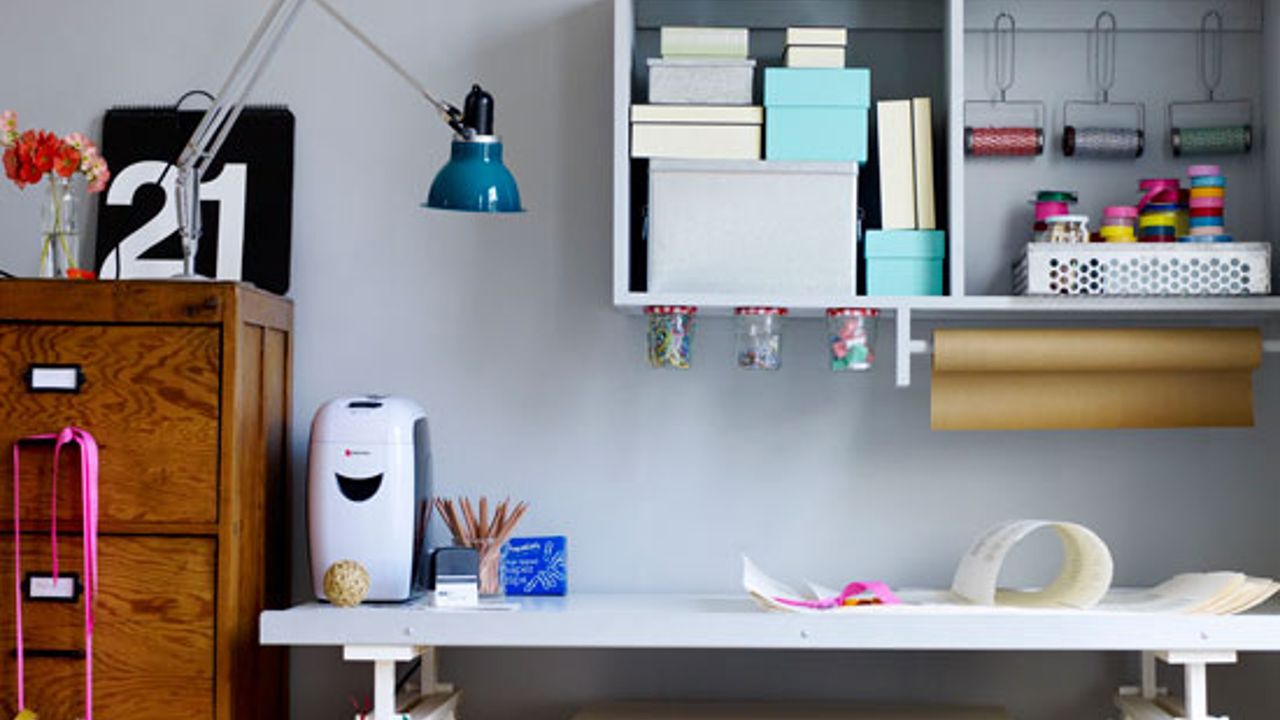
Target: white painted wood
x=902 y=355
x=690 y=621
x=384 y=690
x=955 y=146
x=373 y=653
x=973 y=306
x=623 y=37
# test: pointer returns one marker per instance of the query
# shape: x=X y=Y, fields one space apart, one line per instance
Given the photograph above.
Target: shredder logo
x=350 y=452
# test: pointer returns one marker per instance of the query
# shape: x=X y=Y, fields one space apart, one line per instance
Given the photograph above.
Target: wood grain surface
x=150 y=398
x=154 y=636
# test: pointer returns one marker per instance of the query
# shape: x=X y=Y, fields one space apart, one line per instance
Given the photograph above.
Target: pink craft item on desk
x=878 y=590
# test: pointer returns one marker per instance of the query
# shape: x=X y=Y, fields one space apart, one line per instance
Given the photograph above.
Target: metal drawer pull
x=51 y=654
x=54 y=378
x=38 y=587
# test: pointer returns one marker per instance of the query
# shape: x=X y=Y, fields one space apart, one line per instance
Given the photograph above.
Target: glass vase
x=60 y=238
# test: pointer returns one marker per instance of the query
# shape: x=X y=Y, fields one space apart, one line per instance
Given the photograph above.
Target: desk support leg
x=435 y=700
x=384 y=689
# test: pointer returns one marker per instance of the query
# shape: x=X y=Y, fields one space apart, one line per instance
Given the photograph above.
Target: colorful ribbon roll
x=1102 y=143
x=1004 y=141
x=1160 y=191
x=1232 y=140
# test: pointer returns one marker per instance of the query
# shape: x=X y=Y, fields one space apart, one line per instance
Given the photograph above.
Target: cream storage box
x=699 y=132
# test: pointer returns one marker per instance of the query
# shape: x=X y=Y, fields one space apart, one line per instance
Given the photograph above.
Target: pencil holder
x=851 y=338
x=670 y=336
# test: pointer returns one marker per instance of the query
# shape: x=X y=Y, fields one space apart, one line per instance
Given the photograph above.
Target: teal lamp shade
x=475 y=180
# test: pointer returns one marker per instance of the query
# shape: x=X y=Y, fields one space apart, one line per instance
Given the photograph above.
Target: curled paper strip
x=1085 y=577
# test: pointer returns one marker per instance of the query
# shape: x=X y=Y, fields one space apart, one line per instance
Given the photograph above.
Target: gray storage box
x=755 y=227
x=700 y=81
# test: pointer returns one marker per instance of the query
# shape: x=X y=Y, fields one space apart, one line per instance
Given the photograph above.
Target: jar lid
x=1067 y=219
x=1120 y=211
x=760 y=311
x=671 y=310
x=853 y=312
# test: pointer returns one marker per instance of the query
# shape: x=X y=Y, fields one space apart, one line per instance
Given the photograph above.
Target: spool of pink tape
x=1162 y=191
x=1046 y=210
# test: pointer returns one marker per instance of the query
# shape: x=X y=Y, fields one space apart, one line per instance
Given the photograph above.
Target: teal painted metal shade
x=475 y=180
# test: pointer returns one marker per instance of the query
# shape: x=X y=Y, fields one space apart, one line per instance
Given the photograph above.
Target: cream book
x=922 y=152
x=817 y=36
x=897 y=165
x=814 y=56
x=705 y=42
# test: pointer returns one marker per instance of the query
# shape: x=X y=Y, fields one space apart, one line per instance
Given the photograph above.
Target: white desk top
x=735 y=622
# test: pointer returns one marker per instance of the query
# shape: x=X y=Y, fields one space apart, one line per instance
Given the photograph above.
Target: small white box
x=698 y=81
x=753 y=227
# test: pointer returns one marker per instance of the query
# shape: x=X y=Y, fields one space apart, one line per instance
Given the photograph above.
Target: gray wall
x=537 y=388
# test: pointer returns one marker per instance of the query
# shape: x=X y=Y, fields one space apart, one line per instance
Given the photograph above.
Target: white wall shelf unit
x=983 y=202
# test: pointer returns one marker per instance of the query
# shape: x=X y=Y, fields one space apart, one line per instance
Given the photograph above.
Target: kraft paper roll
x=1071 y=379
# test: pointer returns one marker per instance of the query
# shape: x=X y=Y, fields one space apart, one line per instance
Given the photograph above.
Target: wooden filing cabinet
x=187 y=388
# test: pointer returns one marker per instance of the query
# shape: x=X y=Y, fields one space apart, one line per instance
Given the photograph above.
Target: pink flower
x=98 y=175
x=8 y=128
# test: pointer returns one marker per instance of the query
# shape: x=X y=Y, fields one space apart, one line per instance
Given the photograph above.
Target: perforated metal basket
x=1144 y=269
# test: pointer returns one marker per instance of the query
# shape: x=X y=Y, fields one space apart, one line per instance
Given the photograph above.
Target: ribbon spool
x=1231 y=140
x=1103 y=143
x=1004 y=141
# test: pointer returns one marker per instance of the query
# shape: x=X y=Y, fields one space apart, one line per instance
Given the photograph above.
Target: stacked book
x=815 y=47
x=699 y=98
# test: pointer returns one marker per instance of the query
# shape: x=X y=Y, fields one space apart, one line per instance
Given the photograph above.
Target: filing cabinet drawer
x=153 y=637
x=149 y=394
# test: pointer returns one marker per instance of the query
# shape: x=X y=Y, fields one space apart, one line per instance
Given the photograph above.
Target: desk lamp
x=474 y=179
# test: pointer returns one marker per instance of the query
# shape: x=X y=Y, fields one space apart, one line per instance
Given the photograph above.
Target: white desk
x=385 y=633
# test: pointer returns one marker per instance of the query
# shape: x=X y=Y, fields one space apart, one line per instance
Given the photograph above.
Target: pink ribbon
x=1160 y=191
x=89 y=512
x=877 y=589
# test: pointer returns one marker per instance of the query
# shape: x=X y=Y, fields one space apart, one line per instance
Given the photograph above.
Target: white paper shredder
x=369 y=492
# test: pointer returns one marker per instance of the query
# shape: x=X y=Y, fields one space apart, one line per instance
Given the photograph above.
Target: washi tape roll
x=1208 y=192
x=1159 y=239
x=1204 y=171
x=1063 y=196
x=1159 y=190
x=1204 y=231
x=1209 y=181
x=1206 y=239
x=1209 y=202
x=1209 y=221
x=1048 y=209
x=1158 y=220
x=1205 y=212
x=1115 y=233
x=1157 y=230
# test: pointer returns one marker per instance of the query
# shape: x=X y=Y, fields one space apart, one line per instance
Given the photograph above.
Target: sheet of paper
x=1084 y=579
x=1184 y=594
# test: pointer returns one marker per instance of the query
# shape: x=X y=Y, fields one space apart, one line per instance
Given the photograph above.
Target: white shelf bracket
x=906 y=347
x=1149 y=702
x=433 y=701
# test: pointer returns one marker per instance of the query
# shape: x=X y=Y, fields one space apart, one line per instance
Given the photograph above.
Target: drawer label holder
x=41 y=587
x=54 y=378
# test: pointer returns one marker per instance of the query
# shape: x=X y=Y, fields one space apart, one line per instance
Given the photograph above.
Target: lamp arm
x=221 y=117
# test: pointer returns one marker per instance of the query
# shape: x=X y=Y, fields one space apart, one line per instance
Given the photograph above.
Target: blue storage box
x=536 y=566
x=817 y=114
x=905 y=262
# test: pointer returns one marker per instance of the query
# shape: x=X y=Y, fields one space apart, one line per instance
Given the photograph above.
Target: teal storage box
x=905 y=262
x=817 y=87
x=817 y=114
